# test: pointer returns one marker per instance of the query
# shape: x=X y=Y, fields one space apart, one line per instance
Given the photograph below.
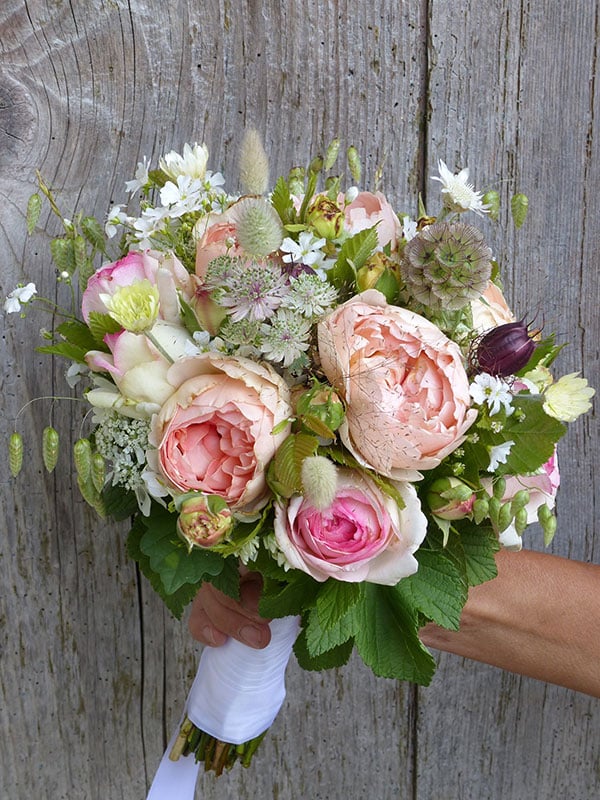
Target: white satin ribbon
x=235 y=696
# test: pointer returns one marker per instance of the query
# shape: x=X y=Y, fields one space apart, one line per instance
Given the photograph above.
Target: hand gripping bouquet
x=305 y=383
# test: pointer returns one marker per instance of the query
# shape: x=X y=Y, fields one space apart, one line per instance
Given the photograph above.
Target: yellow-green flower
x=134 y=307
x=568 y=398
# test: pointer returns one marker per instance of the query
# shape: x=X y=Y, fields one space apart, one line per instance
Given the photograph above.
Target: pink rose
x=217 y=237
x=369 y=209
x=161 y=270
x=490 y=310
x=215 y=433
x=362 y=536
x=403 y=381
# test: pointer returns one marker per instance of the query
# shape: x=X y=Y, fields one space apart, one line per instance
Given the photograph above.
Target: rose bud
x=203 y=520
x=379 y=272
x=450 y=498
x=324 y=404
x=504 y=350
x=325 y=217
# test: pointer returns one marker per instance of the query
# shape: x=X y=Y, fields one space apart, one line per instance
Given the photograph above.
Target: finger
x=215 y=616
x=200 y=625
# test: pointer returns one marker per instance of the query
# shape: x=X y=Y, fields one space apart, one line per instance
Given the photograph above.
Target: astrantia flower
x=255 y=290
x=493 y=391
x=458 y=193
x=309 y=295
x=568 y=398
x=447 y=265
x=286 y=338
x=19 y=296
x=499 y=454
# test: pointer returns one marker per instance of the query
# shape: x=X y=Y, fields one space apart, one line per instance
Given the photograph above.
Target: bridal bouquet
x=306 y=382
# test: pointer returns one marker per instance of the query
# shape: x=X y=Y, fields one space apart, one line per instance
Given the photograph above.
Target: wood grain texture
x=93 y=672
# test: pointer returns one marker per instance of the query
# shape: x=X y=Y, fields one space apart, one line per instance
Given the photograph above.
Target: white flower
x=493 y=391
x=115 y=218
x=19 y=296
x=310 y=295
x=75 y=372
x=409 y=227
x=459 y=195
x=183 y=196
x=499 y=454
x=151 y=222
x=192 y=163
x=141 y=177
x=286 y=338
x=307 y=250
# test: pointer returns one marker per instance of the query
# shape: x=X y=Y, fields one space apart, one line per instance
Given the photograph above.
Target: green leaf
x=438 y=589
x=319 y=640
x=329 y=660
x=64 y=349
x=334 y=600
x=353 y=254
x=189 y=319
x=519 y=205
x=169 y=556
x=77 y=333
x=281 y=200
x=387 y=637
x=291 y=598
x=63 y=254
x=534 y=434
x=177 y=601
x=34 y=207
x=119 y=502
x=480 y=545
x=100 y=325
x=228 y=580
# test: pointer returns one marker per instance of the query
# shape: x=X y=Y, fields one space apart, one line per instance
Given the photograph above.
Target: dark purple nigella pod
x=504 y=350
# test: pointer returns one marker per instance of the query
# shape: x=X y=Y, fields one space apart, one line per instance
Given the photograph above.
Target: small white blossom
x=116 y=217
x=18 y=297
x=493 y=391
x=409 y=227
x=307 y=250
x=459 y=194
x=75 y=373
x=141 y=177
x=182 y=197
x=499 y=454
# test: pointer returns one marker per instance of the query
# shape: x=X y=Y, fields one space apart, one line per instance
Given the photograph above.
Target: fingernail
x=252 y=636
x=208 y=635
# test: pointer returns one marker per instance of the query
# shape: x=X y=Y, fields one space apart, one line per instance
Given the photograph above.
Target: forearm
x=540 y=617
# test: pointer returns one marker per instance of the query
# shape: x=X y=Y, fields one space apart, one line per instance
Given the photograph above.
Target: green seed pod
x=499 y=488
x=331 y=154
x=543 y=514
x=82 y=455
x=521 y=520
x=494 y=509
x=549 y=528
x=296 y=179
x=316 y=165
x=89 y=494
x=98 y=471
x=519 y=205
x=505 y=517
x=50 y=443
x=15 y=454
x=354 y=164
x=492 y=200
x=481 y=509
x=520 y=500
x=34 y=206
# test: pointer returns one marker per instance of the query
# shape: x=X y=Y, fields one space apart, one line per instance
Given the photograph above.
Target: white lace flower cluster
x=123 y=442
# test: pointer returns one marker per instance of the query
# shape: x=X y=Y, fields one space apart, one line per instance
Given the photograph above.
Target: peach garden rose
x=215 y=433
x=403 y=381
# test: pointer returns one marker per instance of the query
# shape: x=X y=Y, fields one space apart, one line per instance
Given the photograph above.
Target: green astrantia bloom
x=135 y=307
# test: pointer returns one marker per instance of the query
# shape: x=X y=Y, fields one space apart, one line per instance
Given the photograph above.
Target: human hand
x=214 y=616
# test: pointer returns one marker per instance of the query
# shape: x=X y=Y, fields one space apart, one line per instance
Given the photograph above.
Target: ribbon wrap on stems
x=235 y=697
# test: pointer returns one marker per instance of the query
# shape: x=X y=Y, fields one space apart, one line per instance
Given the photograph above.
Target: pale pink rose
x=403 y=381
x=137 y=367
x=369 y=209
x=490 y=310
x=162 y=270
x=542 y=488
x=362 y=536
x=215 y=433
x=217 y=237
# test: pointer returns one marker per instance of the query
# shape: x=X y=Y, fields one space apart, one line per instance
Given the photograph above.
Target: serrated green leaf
x=534 y=433
x=34 y=207
x=519 y=205
x=281 y=200
x=320 y=640
x=169 y=556
x=64 y=349
x=175 y=602
x=438 y=589
x=77 y=333
x=120 y=503
x=100 y=325
x=480 y=545
x=387 y=637
x=353 y=254
x=329 y=660
x=228 y=580
x=63 y=254
x=288 y=599
x=334 y=600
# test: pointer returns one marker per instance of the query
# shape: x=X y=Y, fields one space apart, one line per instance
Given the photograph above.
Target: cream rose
x=490 y=310
x=403 y=381
x=215 y=433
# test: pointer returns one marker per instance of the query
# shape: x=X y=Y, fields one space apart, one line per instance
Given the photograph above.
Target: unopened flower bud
x=325 y=217
x=379 y=272
x=324 y=404
x=504 y=350
x=203 y=520
x=450 y=498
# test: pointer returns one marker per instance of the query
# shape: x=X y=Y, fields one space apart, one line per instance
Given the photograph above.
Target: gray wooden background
x=93 y=672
